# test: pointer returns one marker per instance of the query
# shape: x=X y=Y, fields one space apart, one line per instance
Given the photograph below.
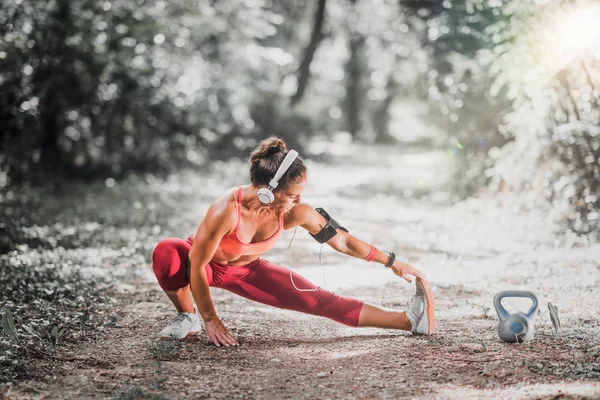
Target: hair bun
x=266 y=148
x=276 y=148
x=266 y=160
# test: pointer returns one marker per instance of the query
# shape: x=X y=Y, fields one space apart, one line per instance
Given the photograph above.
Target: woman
x=245 y=223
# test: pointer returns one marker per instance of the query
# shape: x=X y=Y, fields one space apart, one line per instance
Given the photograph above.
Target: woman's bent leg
x=170 y=264
x=181 y=299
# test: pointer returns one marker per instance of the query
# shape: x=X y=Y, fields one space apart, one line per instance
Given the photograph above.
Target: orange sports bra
x=233 y=245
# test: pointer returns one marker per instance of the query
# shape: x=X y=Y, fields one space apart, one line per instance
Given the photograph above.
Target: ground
x=469 y=249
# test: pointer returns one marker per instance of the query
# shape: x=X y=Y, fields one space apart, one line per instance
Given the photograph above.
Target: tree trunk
x=50 y=153
x=50 y=108
x=381 y=116
x=353 y=100
x=315 y=39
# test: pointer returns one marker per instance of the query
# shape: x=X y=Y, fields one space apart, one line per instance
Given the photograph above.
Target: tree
x=309 y=53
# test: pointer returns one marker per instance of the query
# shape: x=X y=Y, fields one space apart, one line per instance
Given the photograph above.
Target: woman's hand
x=218 y=333
x=403 y=270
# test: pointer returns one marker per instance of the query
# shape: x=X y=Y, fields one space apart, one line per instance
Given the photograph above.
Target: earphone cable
x=290 y=260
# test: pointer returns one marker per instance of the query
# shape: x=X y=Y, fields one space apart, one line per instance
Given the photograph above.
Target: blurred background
x=462 y=134
x=508 y=91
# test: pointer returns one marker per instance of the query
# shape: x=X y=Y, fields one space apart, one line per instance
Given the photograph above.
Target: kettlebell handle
x=501 y=311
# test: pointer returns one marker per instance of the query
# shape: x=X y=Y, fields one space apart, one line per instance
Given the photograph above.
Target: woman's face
x=286 y=199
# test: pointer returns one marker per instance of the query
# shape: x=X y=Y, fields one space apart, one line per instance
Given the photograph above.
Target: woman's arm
x=306 y=216
x=215 y=225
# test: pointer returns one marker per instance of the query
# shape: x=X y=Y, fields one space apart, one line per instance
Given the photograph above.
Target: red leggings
x=261 y=281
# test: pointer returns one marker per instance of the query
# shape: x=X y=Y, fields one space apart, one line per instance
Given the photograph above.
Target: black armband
x=330 y=228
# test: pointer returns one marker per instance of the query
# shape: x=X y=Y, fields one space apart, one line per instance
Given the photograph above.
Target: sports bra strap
x=238 y=206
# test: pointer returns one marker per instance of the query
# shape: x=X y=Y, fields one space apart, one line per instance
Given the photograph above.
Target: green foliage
x=549 y=78
x=457 y=81
x=8 y=326
x=56 y=336
x=577 y=178
x=48 y=294
x=74 y=95
x=97 y=89
x=554 y=318
x=506 y=71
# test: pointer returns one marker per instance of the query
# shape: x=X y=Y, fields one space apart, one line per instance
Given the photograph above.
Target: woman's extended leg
x=270 y=284
x=376 y=317
x=419 y=317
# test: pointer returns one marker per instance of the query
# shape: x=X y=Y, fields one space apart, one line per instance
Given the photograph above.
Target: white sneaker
x=182 y=325
x=416 y=311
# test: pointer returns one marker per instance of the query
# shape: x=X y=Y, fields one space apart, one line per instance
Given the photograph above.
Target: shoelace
x=409 y=304
x=179 y=319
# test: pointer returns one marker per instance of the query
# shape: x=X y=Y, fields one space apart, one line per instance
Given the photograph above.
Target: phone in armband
x=330 y=228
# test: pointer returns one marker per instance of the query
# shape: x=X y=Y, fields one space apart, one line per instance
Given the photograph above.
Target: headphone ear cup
x=265 y=196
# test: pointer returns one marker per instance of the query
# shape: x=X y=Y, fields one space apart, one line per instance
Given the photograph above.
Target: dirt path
x=469 y=251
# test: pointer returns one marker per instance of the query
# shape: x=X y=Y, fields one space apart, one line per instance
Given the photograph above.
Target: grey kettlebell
x=517 y=327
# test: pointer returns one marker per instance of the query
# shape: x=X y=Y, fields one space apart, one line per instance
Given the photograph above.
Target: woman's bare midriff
x=223 y=258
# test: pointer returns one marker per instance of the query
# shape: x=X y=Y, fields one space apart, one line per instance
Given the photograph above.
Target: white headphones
x=265 y=195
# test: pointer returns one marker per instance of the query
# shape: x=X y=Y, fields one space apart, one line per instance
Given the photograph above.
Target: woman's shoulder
x=226 y=195
x=224 y=207
x=299 y=215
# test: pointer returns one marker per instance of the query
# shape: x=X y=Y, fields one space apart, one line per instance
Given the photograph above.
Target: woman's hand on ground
x=403 y=270
x=218 y=333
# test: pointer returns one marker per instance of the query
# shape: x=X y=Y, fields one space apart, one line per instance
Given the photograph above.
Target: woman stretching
x=243 y=224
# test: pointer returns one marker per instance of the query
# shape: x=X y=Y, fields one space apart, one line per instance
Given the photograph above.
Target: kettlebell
x=517 y=327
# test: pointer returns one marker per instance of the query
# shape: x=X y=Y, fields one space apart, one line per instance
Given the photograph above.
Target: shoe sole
x=431 y=322
x=190 y=333
x=178 y=338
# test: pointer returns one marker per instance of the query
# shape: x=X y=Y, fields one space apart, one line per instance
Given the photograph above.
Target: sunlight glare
x=569 y=34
